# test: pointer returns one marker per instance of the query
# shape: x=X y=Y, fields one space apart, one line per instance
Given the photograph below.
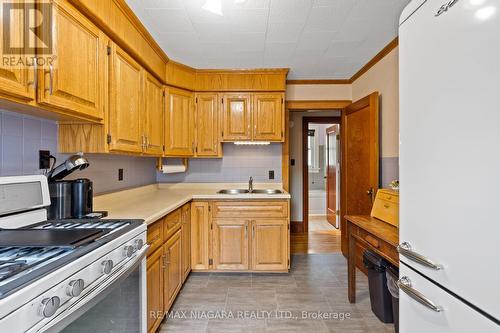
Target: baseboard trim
x=296 y=227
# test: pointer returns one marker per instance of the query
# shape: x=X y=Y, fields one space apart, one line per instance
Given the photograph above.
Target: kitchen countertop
x=152 y=202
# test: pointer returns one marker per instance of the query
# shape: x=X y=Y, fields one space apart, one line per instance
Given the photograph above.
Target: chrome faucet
x=250 y=184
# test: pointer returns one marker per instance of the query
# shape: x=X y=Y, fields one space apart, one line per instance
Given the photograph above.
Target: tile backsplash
x=237 y=165
x=21 y=137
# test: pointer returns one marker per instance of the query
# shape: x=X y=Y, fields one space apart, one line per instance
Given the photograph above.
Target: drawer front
x=155 y=235
x=378 y=244
x=268 y=209
x=386 y=210
x=172 y=223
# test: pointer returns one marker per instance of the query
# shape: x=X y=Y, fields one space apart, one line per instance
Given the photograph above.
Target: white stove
x=63 y=287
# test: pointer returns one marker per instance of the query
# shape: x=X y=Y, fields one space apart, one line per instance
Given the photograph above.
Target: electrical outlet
x=44 y=159
x=292 y=162
x=120 y=174
x=271 y=174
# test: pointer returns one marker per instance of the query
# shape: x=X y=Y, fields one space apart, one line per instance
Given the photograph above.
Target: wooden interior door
x=332 y=172
x=75 y=81
x=207 y=125
x=155 y=267
x=230 y=244
x=360 y=159
x=15 y=81
x=125 y=120
x=269 y=244
x=236 y=117
x=268 y=117
x=179 y=123
x=153 y=122
x=173 y=269
x=200 y=226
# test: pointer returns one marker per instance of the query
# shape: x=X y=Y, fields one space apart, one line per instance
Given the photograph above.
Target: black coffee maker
x=70 y=199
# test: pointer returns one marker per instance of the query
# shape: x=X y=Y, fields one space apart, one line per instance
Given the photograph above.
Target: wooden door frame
x=305 y=168
x=302 y=106
x=337 y=180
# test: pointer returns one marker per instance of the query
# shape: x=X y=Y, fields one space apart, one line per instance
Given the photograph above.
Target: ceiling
x=316 y=39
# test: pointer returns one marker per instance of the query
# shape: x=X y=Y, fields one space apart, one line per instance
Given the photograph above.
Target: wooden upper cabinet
x=153 y=115
x=200 y=227
x=74 y=82
x=125 y=122
x=268 y=117
x=172 y=278
x=236 y=117
x=207 y=125
x=16 y=82
x=154 y=274
x=230 y=244
x=179 y=123
x=269 y=244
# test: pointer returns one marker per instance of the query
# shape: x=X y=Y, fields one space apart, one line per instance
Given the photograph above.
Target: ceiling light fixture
x=240 y=2
x=485 y=13
x=213 y=6
x=252 y=143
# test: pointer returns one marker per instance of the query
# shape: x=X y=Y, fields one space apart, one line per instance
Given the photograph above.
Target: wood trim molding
x=317 y=105
x=296 y=227
x=379 y=56
x=385 y=51
x=313 y=81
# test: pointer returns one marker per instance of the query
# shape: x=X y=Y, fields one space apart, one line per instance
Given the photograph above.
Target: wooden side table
x=370 y=233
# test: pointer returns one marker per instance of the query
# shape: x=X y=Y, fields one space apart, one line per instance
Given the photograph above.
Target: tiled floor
x=316 y=284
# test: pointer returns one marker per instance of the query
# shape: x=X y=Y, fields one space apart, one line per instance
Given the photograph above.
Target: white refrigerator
x=449 y=55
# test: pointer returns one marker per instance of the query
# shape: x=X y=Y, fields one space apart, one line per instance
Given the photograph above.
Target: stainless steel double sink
x=246 y=191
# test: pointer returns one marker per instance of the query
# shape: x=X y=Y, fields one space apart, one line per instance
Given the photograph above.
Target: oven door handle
x=64 y=318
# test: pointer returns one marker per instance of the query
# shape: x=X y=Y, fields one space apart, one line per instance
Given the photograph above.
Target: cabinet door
x=269 y=244
x=172 y=275
x=207 y=121
x=154 y=273
x=15 y=81
x=200 y=227
x=230 y=244
x=179 y=123
x=76 y=79
x=153 y=122
x=236 y=117
x=186 y=241
x=125 y=123
x=268 y=117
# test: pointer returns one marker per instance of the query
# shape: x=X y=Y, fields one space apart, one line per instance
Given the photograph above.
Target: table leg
x=351 y=266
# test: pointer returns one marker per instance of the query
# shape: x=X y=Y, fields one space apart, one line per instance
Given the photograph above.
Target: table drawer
x=155 y=235
x=171 y=223
x=375 y=242
x=271 y=209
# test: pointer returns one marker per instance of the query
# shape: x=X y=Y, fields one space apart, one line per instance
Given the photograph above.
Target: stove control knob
x=128 y=251
x=75 y=288
x=107 y=266
x=49 y=306
x=138 y=244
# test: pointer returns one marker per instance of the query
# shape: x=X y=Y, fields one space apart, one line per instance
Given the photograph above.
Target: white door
x=450 y=146
x=454 y=316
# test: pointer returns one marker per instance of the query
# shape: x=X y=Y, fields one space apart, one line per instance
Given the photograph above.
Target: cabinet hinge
x=211 y=227
x=209 y=208
x=337 y=212
x=108 y=138
x=210 y=261
x=281 y=100
x=196 y=100
x=163 y=93
x=288 y=227
x=108 y=50
x=163 y=147
x=223 y=101
x=222 y=133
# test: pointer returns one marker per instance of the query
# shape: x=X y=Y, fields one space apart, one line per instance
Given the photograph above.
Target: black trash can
x=380 y=298
x=392 y=274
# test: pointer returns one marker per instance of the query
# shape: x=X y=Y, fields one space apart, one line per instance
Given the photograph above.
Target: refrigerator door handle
x=405 y=250
x=404 y=284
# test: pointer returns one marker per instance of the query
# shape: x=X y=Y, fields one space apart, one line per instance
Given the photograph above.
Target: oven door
x=117 y=306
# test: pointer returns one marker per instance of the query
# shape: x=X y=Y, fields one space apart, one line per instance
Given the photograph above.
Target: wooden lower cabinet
x=154 y=282
x=230 y=244
x=200 y=236
x=186 y=241
x=269 y=244
x=172 y=276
